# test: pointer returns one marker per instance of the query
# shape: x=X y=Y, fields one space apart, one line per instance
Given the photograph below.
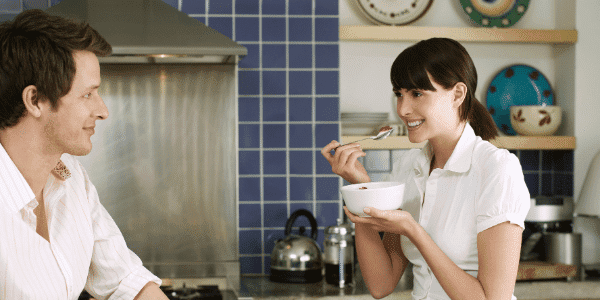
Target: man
x=55 y=237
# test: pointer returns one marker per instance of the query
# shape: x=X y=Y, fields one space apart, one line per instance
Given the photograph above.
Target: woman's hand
x=344 y=162
x=392 y=221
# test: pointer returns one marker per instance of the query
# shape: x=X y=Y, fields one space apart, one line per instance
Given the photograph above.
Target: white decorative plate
x=394 y=12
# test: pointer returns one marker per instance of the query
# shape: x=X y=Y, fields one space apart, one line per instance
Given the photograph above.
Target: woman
x=465 y=200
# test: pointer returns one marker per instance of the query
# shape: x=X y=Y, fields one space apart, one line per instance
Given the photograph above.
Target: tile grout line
x=287 y=108
x=265 y=15
x=206 y=7
x=313 y=108
x=540 y=172
x=261 y=139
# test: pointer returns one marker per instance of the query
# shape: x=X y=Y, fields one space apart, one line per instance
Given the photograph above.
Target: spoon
x=380 y=136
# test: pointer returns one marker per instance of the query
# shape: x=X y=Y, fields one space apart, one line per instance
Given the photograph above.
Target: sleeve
x=115 y=271
x=503 y=193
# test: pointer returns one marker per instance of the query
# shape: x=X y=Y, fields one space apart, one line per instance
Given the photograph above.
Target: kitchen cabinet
x=557 y=38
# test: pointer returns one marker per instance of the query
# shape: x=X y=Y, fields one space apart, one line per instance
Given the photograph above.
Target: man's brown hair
x=37 y=49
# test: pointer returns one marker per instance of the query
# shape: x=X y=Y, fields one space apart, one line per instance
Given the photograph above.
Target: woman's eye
x=87 y=95
x=417 y=94
x=398 y=95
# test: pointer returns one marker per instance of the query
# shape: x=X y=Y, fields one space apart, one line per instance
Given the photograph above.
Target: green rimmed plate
x=495 y=13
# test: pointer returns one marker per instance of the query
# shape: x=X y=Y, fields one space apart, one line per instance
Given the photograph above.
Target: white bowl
x=380 y=195
x=535 y=119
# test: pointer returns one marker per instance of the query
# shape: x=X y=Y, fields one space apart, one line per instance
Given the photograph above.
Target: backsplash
x=546 y=172
x=289 y=109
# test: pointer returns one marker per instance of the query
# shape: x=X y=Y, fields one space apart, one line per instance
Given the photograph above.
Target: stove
x=207 y=292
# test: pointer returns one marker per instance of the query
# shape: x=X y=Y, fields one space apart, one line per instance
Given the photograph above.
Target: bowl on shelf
x=535 y=120
x=384 y=195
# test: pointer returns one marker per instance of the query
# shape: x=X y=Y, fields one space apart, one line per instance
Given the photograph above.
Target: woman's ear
x=31 y=101
x=460 y=93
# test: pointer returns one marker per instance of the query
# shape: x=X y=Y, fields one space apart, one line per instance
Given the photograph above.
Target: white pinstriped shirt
x=86 y=248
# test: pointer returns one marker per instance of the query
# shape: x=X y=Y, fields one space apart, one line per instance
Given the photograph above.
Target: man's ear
x=32 y=101
x=460 y=93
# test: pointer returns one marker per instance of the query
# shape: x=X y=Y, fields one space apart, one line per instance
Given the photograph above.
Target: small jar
x=339 y=254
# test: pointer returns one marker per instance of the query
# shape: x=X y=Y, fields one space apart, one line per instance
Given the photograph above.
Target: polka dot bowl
x=535 y=120
x=516 y=85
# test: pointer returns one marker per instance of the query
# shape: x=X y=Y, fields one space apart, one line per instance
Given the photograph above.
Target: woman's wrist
x=415 y=231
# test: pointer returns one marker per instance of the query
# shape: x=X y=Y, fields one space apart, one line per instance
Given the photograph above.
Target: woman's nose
x=403 y=107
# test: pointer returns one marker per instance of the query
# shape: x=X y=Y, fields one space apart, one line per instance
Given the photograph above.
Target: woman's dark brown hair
x=448 y=63
x=37 y=49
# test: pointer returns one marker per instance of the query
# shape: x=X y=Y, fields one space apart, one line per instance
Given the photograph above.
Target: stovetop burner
x=210 y=292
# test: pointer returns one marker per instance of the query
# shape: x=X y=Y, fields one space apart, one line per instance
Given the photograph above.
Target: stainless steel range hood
x=151 y=31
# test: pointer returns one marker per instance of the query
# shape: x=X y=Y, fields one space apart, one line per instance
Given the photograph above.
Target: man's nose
x=102 y=110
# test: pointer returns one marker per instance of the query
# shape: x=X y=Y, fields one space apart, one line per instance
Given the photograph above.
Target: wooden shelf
x=534 y=270
x=461 y=34
x=506 y=142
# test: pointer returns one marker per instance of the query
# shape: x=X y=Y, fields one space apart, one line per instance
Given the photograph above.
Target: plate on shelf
x=516 y=85
x=495 y=13
x=394 y=12
x=362 y=123
x=364 y=117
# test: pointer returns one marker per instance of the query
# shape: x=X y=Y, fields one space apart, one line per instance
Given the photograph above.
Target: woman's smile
x=415 y=124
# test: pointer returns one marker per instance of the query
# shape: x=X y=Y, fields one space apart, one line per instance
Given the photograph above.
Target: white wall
x=364 y=66
x=587 y=115
x=587 y=82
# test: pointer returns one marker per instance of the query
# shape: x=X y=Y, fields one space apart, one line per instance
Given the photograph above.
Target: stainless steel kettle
x=297 y=258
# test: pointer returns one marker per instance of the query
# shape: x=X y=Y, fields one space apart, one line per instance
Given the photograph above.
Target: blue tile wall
x=546 y=172
x=289 y=101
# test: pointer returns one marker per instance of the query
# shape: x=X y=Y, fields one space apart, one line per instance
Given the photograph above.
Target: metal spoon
x=380 y=136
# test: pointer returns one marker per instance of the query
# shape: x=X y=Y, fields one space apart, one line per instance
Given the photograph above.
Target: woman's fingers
x=343 y=154
x=326 y=151
x=344 y=162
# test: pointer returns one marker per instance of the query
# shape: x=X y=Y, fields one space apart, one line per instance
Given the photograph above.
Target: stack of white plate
x=362 y=123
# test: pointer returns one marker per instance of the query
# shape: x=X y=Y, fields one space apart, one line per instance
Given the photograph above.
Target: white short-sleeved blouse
x=479 y=187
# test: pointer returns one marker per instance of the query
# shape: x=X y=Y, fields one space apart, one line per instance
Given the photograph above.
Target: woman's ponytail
x=481 y=121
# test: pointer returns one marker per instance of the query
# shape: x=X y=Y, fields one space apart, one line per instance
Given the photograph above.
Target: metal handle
x=309 y=216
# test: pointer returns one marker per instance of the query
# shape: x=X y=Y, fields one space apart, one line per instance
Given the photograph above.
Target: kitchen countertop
x=260 y=287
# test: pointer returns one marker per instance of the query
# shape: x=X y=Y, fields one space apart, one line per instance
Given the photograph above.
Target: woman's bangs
x=409 y=72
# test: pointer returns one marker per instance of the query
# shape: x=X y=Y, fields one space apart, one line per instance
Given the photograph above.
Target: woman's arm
x=498 y=250
x=381 y=262
x=151 y=291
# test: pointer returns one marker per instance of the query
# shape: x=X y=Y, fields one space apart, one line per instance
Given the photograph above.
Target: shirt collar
x=16 y=191
x=459 y=161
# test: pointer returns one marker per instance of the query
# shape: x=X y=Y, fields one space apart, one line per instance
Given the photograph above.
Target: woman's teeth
x=415 y=124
